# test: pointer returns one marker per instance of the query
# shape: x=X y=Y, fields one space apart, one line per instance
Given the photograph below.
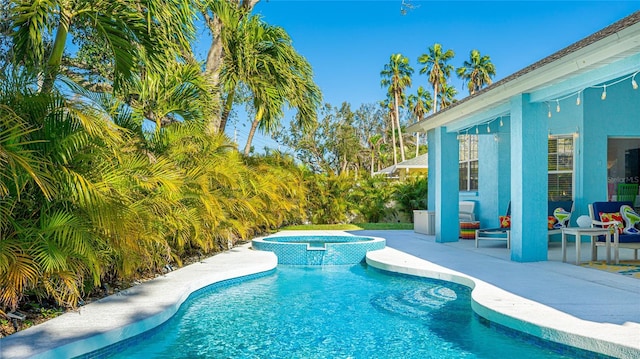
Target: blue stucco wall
x=494 y=187
x=529 y=182
x=592 y=123
x=446 y=185
x=431 y=175
x=617 y=116
x=569 y=122
x=513 y=162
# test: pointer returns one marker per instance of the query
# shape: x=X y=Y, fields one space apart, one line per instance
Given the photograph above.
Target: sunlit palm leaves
x=438 y=70
x=156 y=29
x=477 y=71
x=178 y=92
x=89 y=191
x=46 y=230
x=262 y=58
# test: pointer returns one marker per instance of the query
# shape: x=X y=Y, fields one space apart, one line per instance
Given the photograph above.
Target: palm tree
x=419 y=105
x=291 y=77
x=217 y=15
x=178 y=92
x=397 y=76
x=447 y=95
x=477 y=71
x=388 y=104
x=262 y=58
x=158 y=29
x=436 y=66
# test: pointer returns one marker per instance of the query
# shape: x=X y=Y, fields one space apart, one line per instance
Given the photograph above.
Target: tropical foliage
x=107 y=170
x=113 y=157
x=411 y=195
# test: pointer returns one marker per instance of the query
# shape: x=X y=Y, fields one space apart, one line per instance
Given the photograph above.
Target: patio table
x=578 y=232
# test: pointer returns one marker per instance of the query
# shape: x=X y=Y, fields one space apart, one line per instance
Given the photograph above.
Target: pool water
x=334 y=312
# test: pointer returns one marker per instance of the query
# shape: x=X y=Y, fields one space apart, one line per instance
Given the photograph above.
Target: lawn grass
x=349 y=227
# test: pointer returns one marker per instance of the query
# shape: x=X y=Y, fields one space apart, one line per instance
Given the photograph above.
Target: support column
x=431 y=172
x=529 y=181
x=446 y=189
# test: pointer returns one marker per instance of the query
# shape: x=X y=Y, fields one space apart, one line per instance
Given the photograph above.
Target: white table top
x=575 y=230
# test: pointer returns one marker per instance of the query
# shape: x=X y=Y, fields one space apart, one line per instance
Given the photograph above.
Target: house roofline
x=592 y=52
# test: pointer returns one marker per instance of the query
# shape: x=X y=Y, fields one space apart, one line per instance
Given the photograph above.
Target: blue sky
x=349 y=42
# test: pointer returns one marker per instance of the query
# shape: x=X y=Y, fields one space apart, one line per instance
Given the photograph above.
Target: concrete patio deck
x=583 y=307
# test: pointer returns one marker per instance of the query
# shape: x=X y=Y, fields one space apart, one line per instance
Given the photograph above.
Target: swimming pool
x=319 y=249
x=335 y=312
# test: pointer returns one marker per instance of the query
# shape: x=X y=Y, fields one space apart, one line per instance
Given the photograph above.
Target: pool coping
x=132 y=311
x=518 y=313
x=140 y=308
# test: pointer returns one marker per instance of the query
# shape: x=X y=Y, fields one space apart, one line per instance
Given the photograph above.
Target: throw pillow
x=608 y=217
x=505 y=221
x=631 y=218
x=551 y=220
x=562 y=217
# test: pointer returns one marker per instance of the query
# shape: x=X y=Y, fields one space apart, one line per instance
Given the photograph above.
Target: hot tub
x=319 y=249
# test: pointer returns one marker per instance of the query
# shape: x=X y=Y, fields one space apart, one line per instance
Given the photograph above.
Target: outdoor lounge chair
x=502 y=233
x=559 y=211
x=467 y=211
x=604 y=214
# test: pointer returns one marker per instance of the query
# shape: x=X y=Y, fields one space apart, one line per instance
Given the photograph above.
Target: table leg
x=607 y=246
x=616 y=247
x=578 y=241
x=564 y=247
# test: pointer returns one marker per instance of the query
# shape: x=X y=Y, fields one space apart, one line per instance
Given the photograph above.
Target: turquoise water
x=334 y=312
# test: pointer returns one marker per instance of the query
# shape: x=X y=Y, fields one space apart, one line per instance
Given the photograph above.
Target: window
x=468 y=162
x=560 y=168
x=623 y=163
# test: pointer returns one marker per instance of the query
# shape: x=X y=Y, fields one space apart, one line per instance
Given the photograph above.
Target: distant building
x=412 y=167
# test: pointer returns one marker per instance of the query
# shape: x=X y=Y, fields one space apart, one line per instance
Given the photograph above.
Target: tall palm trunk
x=435 y=97
x=393 y=139
x=397 y=115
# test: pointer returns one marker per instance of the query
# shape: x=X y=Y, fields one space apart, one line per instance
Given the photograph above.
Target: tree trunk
x=373 y=158
x=397 y=111
x=435 y=97
x=212 y=66
x=393 y=139
x=55 y=58
x=344 y=168
x=254 y=126
x=226 y=110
